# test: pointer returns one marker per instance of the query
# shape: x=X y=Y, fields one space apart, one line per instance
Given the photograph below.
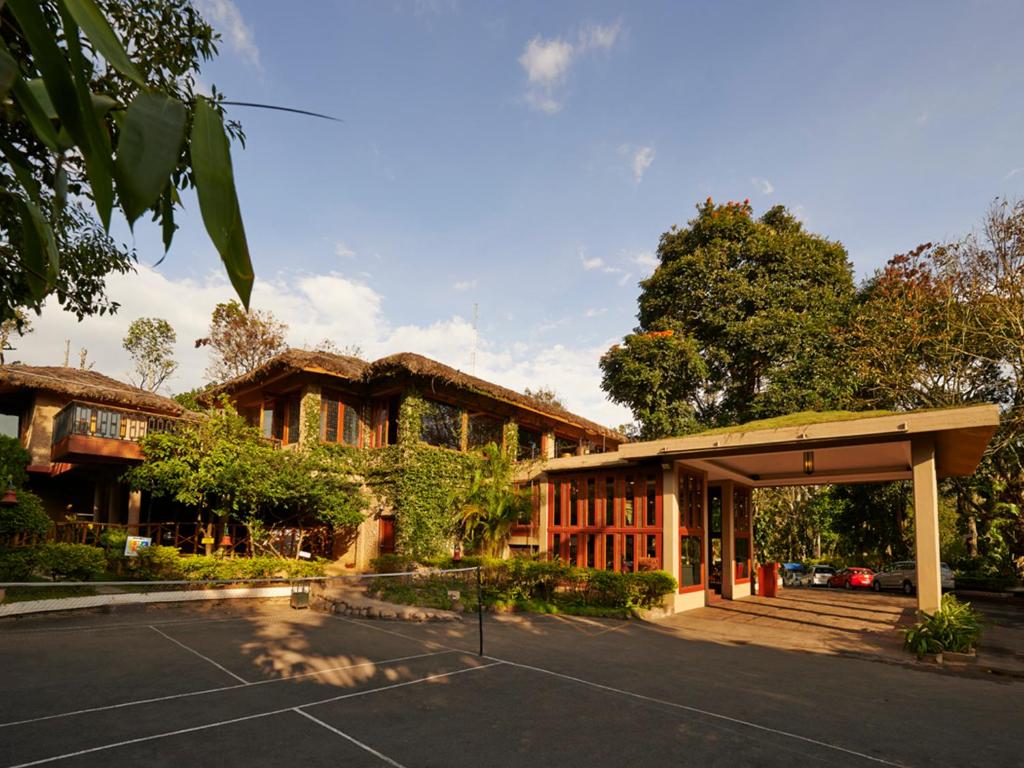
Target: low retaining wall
x=136 y=598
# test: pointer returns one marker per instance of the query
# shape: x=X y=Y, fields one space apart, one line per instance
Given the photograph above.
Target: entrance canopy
x=817 y=448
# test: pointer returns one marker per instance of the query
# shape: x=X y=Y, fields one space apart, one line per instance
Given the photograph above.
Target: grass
x=24 y=594
x=802 y=419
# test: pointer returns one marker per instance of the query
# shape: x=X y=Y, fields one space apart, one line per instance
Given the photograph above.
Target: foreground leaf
x=218 y=200
x=95 y=26
x=148 y=150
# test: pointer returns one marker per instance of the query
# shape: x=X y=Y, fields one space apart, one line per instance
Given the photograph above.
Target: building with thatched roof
x=82 y=431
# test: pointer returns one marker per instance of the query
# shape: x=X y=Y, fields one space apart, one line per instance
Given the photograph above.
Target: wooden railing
x=78 y=418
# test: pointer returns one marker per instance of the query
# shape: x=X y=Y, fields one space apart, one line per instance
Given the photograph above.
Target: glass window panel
x=268 y=421
x=609 y=501
x=329 y=419
x=557 y=511
x=689 y=561
x=652 y=502
x=627 y=509
x=441 y=425
x=609 y=552
x=574 y=552
x=628 y=553
x=9 y=425
x=742 y=557
x=529 y=444
x=483 y=430
x=591 y=502
x=293 y=419
x=574 y=503
x=591 y=550
x=350 y=429
x=556 y=545
x=652 y=545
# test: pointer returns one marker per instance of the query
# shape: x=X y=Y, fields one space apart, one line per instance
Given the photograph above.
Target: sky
x=518 y=162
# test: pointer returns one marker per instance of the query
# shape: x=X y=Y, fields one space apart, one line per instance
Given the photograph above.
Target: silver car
x=903 y=575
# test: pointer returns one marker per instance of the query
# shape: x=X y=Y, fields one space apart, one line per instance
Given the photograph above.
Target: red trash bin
x=768 y=579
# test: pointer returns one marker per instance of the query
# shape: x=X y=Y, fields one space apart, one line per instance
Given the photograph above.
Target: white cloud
x=597 y=36
x=225 y=18
x=464 y=285
x=923 y=118
x=547 y=61
x=642 y=159
x=590 y=264
x=1014 y=172
x=315 y=306
x=646 y=260
x=342 y=250
x=765 y=186
x=595 y=312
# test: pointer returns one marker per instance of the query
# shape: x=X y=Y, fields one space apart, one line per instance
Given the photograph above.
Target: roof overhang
x=858 y=450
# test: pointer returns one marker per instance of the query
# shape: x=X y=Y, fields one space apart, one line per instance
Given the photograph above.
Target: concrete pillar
x=549 y=445
x=728 y=543
x=113 y=502
x=309 y=415
x=134 y=509
x=542 y=515
x=670 y=521
x=926 y=525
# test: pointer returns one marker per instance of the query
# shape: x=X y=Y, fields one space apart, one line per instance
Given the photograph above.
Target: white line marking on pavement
x=205 y=691
x=5 y=633
x=699 y=711
x=258 y=715
x=344 y=735
x=204 y=658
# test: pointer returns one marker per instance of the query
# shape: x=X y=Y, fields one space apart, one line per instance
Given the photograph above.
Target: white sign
x=305 y=555
x=133 y=544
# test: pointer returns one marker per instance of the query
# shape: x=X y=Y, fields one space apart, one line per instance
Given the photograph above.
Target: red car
x=851 y=578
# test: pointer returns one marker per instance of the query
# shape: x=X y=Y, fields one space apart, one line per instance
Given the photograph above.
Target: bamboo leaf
x=35 y=114
x=148 y=150
x=38 y=88
x=218 y=200
x=167 y=224
x=95 y=26
x=22 y=168
x=70 y=96
x=8 y=72
x=39 y=255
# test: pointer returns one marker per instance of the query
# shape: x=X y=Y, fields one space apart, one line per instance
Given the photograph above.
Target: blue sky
x=527 y=156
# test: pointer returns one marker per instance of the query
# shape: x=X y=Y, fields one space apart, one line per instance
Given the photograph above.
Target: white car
x=817 y=576
x=903 y=575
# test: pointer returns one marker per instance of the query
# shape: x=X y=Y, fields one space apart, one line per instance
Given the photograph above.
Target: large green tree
x=150 y=342
x=738 y=322
x=100 y=111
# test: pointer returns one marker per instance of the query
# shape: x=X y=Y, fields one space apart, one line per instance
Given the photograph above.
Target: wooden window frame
x=692 y=508
x=343 y=406
x=560 y=519
x=746 y=534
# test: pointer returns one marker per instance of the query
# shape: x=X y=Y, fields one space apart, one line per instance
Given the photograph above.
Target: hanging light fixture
x=808 y=462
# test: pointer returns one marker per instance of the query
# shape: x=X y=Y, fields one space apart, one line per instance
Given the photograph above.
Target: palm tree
x=493 y=504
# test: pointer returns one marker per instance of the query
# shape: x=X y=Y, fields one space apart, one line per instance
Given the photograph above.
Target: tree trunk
x=972 y=536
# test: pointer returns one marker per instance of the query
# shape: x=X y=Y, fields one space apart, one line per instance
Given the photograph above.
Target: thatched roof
x=291 y=361
x=403 y=363
x=85 y=385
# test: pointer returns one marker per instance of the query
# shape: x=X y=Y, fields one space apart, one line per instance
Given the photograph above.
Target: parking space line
x=219 y=689
x=697 y=710
x=201 y=656
x=258 y=715
x=344 y=735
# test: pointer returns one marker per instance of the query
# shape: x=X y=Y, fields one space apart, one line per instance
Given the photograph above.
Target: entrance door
x=387 y=535
x=714 y=542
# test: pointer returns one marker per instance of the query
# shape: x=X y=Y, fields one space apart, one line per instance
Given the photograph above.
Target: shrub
x=18 y=564
x=392 y=564
x=955 y=627
x=648 y=588
x=157 y=563
x=77 y=562
x=212 y=567
x=26 y=518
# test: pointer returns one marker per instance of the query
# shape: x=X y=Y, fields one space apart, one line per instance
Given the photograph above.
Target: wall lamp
x=808 y=462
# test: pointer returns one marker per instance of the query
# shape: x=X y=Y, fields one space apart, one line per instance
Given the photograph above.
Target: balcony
x=87 y=432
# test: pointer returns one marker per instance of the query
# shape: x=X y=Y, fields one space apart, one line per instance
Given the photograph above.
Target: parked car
x=903 y=575
x=791 y=573
x=817 y=576
x=853 y=578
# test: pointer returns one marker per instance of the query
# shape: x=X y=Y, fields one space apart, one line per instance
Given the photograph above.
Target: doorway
x=714 y=554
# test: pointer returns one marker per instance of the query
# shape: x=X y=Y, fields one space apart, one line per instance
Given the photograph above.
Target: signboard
x=207 y=540
x=133 y=544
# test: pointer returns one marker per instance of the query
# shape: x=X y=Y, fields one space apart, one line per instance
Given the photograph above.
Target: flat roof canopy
x=853 y=449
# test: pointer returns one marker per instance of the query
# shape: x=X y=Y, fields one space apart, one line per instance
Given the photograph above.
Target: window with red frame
x=607 y=520
x=339 y=420
x=741 y=533
x=691 y=531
